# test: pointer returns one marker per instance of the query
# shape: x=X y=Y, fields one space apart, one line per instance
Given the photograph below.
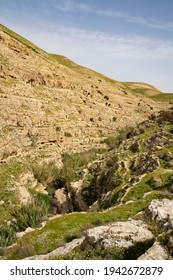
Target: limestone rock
x=26 y=181
x=24 y=195
x=22 y=233
x=146 y=163
x=122 y=234
x=75 y=189
x=1 y=202
x=62 y=199
x=41 y=189
x=156 y=182
x=156 y=252
x=162 y=211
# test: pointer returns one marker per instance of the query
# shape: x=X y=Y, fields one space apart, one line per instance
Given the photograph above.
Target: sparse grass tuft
x=46 y=173
x=29 y=215
x=7 y=235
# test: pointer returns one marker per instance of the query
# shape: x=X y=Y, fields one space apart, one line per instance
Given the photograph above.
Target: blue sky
x=128 y=40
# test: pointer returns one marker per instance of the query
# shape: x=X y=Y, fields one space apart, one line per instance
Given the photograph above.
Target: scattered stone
x=22 y=233
x=167 y=156
x=156 y=182
x=1 y=202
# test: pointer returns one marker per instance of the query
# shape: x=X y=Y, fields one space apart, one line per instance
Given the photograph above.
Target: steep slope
x=45 y=97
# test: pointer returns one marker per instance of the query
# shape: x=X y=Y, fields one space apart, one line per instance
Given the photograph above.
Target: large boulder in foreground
x=124 y=235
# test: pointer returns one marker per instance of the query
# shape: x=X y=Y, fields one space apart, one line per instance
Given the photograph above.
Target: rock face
x=162 y=211
x=120 y=234
x=62 y=200
x=26 y=181
x=146 y=163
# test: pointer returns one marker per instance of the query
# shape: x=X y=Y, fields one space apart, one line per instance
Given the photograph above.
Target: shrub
x=114 y=141
x=67 y=134
x=30 y=215
x=163 y=239
x=45 y=173
x=137 y=250
x=26 y=251
x=73 y=165
x=106 y=97
x=97 y=253
x=7 y=235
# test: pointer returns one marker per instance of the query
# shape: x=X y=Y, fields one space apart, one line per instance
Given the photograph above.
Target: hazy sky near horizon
x=128 y=40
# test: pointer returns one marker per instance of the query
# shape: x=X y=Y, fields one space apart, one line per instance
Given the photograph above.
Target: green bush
x=73 y=164
x=27 y=251
x=97 y=253
x=7 y=235
x=30 y=215
x=114 y=141
x=45 y=173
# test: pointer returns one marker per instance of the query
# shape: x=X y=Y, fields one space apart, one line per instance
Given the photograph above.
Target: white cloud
x=66 y=6
x=72 y=6
x=56 y=38
x=76 y=6
x=113 y=46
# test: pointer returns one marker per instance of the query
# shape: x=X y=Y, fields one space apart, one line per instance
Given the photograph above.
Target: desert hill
x=59 y=123
x=52 y=103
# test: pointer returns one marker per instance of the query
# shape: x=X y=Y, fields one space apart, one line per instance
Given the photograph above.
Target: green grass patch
x=114 y=141
x=46 y=173
x=162 y=97
x=73 y=164
x=139 y=189
x=10 y=172
x=29 y=215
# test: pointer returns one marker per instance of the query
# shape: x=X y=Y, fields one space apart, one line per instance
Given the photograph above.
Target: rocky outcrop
x=146 y=163
x=62 y=201
x=22 y=233
x=26 y=181
x=162 y=211
x=124 y=235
